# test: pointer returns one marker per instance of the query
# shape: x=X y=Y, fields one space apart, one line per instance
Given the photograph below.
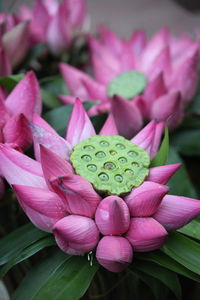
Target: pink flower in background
x=97 y=191
x=54 y=22
x=138 y=80
x=16 y=111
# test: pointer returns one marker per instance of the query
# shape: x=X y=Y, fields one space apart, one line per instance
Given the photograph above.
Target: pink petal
x=77 y=12
x=37 y=120
x=18 y=168
x=50 y=140
x=25 y=97
x=3 y=112
x=146 y=234
x=114 y=253
x=5 y=64
x=80 y=196
x=80 y=126
x=176 y=211
x=67 y=99
x=17 y=131
x=138 y=42
x=109 y=127
x=145 y=200
x=161 y=64
x=157 y=138
x=94 y=89
x=127 y=116
x=76 y=234
x=162 y=174
x=112 y=216
x=110 y=39
x=44 y=208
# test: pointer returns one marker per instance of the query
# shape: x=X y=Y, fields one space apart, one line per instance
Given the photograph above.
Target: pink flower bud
x=76 y=234
x=114 y=253
x=112 y=216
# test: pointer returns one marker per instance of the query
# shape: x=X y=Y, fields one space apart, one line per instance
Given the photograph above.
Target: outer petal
x=127 y=116
x=3 y=112
x=76 y=234
x=146 y=234
x=110 y=40
x=162 y=63
x=145 y=200
x=157 y=138
x=5 y=64
x=17 y=131
x=114 y=253
x=78 y=192
x=16 y=43
x=18 y=168
x=109 y=127
x=25 y=98
x=176 y=211
x=37 y=120
x=95 y=90
x=80 y=126
x=77 y=12
x=44 y=208
x=162 y=174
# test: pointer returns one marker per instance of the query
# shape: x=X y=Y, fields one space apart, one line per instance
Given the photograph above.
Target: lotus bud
x=114 y=253
x=112 y=216
x=146 y=234
x=76 y=234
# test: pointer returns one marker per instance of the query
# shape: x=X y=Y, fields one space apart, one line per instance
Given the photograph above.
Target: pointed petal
x=3 y=112
x=157 y=138
x=43 y=207
x=144 y=200
x=127 y=116
x=18 y=168
x=162 y=174
x=146 y=234
x=80 y=126
x=138 y=42
x=176 y=211
x=67 y=99
x=76 y=234
x=109 y=127
x=25 y=97
x=161 y=64
x=110 y=39
x=95 y=90
x=37 y=120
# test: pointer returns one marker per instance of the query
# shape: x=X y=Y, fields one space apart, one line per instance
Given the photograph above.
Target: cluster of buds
x=97 y=192
x=137 y=80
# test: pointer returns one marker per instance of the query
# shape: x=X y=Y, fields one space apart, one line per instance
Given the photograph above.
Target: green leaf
x=183 y=250
x=168 y=278
x=161 y=157
x=18 y=240
x=9 y=82
x=26 y=253
x=192 y=229
x=186 y=188
x=187 y=142
x=58 y=277
x=33 y=54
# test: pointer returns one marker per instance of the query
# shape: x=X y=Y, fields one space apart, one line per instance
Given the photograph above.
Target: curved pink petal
x=80 y=126
x=94 y=89
x=76 y=234
x=110 y=39
x=162 y=174
x=144 y=200
x=127 y=116
x=138 y=42
x=157 y=138
x=3 y=112
x=109 y=127
x=67 y=99
x=25 y=97
x=161 y=64
x=176 y=211
x=37 y=120
x=43 y=207
x=18 y=168
x=146 y=234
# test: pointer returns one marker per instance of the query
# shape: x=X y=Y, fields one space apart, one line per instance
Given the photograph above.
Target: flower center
x=111 y=163
x=128 y=85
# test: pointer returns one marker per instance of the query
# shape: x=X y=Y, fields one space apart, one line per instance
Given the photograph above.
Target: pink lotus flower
x=17 y=111
x=97 y=191
x=137 y=79
x=14 y=42
x=54 y=23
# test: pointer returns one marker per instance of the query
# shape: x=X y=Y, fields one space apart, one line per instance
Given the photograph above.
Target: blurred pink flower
x=54 y=22
x=150 y=80
x=76 y=187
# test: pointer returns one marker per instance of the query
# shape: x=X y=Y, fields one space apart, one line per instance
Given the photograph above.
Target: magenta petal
x=162 y=174
x=37 y=120
x=79 y=194
x=25 y=97
x=162 y=63
x=127 y=116
x=176 y=211
x=114 y=253
x=109 y=127
x=146 y=234
x=43 y=207
x=144 y=200
x=17 y=131
x=112 y=216
x=3 y=112
x=157 y=138
x=76 y=234
x=18 y=168
x=95 y=90
x=80 y=126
